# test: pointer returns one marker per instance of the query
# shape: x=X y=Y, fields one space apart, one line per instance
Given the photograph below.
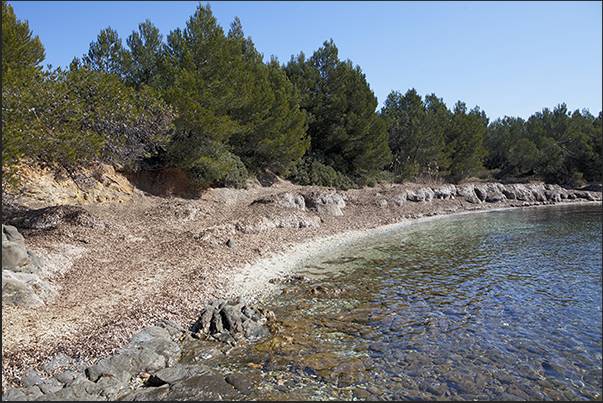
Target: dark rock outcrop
x=150 y=367
x=229 y=322
x=51 y=217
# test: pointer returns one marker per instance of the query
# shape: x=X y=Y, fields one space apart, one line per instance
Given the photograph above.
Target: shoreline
x=296 y=256
x=162 y=257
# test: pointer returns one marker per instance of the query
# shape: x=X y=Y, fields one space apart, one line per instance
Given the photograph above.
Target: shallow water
x=492 y=306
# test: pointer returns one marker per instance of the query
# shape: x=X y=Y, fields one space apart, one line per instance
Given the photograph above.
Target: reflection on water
x=492 y=306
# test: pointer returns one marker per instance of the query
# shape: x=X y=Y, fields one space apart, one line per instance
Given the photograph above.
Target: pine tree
x=465 y=141
x=106 y=54
x=345 y=130
x=142 y=58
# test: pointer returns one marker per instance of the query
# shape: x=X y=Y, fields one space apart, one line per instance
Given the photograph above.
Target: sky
x=509 y=58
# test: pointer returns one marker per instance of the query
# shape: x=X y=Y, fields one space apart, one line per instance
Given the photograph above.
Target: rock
x=174 y=374
x=33 y=392
x=51 y=217
x=360 y=393
x=25 y=289
x=286 y=200
x=13 y=394
x=420 y=195
x=292 y=200
x=11 y=234
x=241 y=382
x=231 y=244
x=399 y=199
x=264 y=224
x=50 y=385
x=65 y=377
x=33 y=377
x=231 y=321
x=327 y=203
x=174 y=329
x=158 y=340
x=490 y=192
x=56 y=362
x=445 y=192
x=321 y=290
x=148 y=394
x=15 y=255
x=267 y=178
x=204 y=387
x=149 y=350
x=480 y=192
x=468 y=193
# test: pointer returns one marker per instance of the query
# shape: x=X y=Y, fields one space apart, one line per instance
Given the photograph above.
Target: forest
x=203 y=100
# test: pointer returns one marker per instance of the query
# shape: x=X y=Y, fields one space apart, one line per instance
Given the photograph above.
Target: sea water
x=501 y=305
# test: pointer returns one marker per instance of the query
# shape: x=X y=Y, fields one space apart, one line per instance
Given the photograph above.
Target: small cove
x=496 y=306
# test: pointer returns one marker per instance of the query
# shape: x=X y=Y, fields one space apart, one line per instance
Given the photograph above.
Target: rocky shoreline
x=65 y=319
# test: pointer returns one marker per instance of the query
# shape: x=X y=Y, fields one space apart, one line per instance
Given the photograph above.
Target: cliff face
x=45 y=187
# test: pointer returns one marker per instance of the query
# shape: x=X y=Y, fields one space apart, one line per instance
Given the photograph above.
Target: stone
x=468 y=193
x=174 y=329
x=241 y=382
x=50 y=385
x=231 y=321
x=291 y=200
x=325 y=203
x=399 y=199
x=14 y=252
x=56 y=362
x=13 y=394
x=203 y=387
x=51 y=217
x=25 y=289
x=174 y=374
x=420 y=195
x=445 y=192
x=31 y=378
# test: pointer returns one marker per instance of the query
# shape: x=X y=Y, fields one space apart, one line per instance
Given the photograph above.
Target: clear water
x=491 y=306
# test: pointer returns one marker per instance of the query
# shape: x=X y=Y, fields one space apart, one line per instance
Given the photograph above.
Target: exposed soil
x=163 y=257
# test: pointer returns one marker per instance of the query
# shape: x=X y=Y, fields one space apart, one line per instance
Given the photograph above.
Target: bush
x=215 y=167
x=309 y=171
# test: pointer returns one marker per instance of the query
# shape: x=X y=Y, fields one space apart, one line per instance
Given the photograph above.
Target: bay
x=503 y=305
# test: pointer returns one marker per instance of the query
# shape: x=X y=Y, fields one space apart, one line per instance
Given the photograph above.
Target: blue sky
x=509 y=58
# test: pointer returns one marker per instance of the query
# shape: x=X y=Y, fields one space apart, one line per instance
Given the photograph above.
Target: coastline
x=160 y=258
x=252 y=280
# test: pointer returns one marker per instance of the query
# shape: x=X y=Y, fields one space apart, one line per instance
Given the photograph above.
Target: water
x=491 y=306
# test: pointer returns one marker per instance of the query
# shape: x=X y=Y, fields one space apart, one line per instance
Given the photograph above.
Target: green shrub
x=309 y=171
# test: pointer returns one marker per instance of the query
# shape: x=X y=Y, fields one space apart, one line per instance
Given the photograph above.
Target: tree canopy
x=205 y=101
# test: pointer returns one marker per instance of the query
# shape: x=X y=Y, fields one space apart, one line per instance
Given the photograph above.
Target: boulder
x=291 y=200
x=445 y=192
x=51 y=217
x=25 y=289
x=468 y=193
x=325 y=203
x=490 y=192
x=15 y=255
x=231 y=321
x=399 y=199
x=420 y=195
